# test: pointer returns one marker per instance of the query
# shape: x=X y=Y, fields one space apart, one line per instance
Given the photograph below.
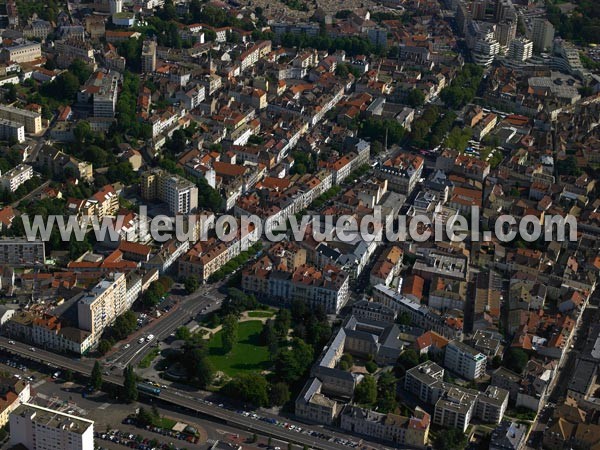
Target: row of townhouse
x=251 y=56
x=290 y=201
x=327 y=287
x=207 y=257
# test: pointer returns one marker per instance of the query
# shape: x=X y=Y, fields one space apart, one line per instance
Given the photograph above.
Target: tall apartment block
x=180 y=194
x=101 y=306
x=149 y=56
x=543 y=35
x=464 y=360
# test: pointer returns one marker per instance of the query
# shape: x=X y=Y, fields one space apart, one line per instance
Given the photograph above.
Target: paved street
x=187 y=309
x=183 y=399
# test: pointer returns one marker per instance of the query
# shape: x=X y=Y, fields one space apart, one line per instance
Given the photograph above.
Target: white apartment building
x=101 y=306
x=520 y=49
x=10 y=129
x=180 y=194
x=464 y=360
x=38 y=428
x=14 y=178
x=31 y=120
x=105 y=100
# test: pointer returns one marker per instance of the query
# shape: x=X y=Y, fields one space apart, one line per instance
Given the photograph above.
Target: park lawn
x=247 y=355
x=260 y=314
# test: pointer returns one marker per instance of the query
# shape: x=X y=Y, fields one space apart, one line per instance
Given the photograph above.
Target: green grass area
x=147 y=361
x=247 y=355
x=260 y=314
x=165 y=423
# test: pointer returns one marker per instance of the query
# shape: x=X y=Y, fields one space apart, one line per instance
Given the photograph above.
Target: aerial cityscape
x=299 y=224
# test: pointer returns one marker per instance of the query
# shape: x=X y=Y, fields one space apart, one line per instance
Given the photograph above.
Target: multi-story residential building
x=169 y=253
x=12 y=130
x=402 y=172
x=464 y=360
x=191 y=98
x=19 y=252
x=251 y=56
x=520 y=49
x=71 y=49
x=13 y=392
x=542 y=34
x=149 y=56
x=47 y=331
x=102 y=88
x=446 y=293
x=423 y=381
x=31 y=120
x=492 y=404
x=102 y=305
x=15 y=177
x=22 y=53
x=510 y=435
x=180 y=194
x=103 y=203
x=420 y=315
x=387 y=266
x=327 y=288
x=405 y=431
x=364 y=309
x=38 y=428
x=455 y=408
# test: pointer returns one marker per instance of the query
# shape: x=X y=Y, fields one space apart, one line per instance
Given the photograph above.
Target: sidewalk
x=244 y=318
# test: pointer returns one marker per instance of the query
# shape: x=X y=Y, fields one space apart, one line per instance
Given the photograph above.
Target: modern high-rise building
x=180 y=194
x=149 y=56
x=464 y=360
x=116 y=6
x=506 y=31
x=504 y=10
x=102 y=305
x=478 y=9
x=37 y=428
x=543 y=35
x=520 y=49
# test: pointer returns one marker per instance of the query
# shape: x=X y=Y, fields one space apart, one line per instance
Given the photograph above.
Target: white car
x=150 y=337
x=11 y=342
x=126 y=346
x=141 y=340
